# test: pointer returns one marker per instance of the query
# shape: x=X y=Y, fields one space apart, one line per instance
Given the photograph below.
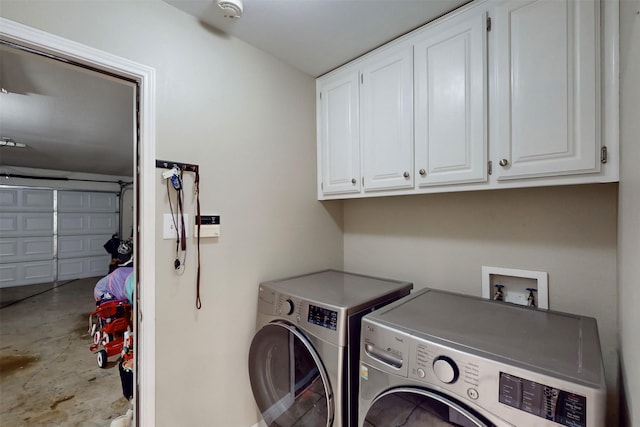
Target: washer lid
x=348 y=291
x=548 y=342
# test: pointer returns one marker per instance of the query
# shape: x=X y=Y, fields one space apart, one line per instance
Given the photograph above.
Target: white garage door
x=48 y=235
x=26 y=236
x=86 y=221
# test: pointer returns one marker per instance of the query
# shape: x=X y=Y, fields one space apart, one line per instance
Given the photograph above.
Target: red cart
x=107 y=325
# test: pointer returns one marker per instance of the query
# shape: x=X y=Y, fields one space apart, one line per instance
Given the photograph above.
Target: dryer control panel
x=325 y=322
x=323 y=317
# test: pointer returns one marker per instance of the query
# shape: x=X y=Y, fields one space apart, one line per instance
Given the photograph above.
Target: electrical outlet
x=169 y=226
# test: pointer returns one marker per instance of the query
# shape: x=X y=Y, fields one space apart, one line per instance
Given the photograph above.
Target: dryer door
x=414 y=407
x=289 y=382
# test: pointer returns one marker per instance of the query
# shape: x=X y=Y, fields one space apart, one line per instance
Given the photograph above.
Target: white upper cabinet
x=339 y=133
x=496 y=94
x=450 y=66
x=546 y=113
x=387 y=119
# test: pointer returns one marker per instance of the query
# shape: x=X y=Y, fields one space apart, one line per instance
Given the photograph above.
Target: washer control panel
x=437 y=365
x=562 y=407
x=384 y=348
x=445 y=369
x=492 y=385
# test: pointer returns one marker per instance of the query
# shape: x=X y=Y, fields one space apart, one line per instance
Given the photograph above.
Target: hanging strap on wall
x=198 y=221
x=183 y=231
x=186 y=167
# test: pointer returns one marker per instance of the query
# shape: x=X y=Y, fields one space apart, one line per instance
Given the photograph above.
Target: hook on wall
x=186 y=167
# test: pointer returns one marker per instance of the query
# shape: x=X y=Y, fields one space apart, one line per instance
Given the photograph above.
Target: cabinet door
x=450 y=75
x=547 y=119
x=387 y=119
x=339 y=133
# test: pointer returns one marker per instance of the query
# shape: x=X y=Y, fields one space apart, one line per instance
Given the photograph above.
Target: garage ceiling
x=78 y=120
x=69 y=118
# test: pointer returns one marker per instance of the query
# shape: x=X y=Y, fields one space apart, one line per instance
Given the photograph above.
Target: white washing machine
x=438 y=359
x=303 y=361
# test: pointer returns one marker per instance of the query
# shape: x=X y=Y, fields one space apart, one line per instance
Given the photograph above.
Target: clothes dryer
x=303 y=361
x=438 y=359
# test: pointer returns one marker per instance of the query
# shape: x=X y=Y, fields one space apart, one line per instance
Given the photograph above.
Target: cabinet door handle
x=422 y=172
x=353 y=181
x=503 y=162
x=406 y=174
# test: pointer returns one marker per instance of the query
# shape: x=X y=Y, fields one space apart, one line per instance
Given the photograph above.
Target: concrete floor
x=48 y=376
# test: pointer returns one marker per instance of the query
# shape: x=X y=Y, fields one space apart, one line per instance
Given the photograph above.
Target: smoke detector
x=231 y=9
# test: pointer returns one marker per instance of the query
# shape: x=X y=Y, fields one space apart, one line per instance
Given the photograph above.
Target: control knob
x=287 y=307
x=445 y=369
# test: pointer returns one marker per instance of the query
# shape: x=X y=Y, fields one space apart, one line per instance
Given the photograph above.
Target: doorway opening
x=74 y=54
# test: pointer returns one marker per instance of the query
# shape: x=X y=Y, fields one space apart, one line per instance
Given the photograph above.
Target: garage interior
x=48 y=375
x=66 y=158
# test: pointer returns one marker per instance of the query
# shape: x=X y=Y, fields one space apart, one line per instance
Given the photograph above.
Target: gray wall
x=248 y=120
x=443 y=240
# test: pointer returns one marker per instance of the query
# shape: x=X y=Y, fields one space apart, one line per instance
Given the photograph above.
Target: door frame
x=144 y=213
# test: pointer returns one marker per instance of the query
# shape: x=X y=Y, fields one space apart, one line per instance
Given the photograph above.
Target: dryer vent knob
x=445 y=369
x=288 y=307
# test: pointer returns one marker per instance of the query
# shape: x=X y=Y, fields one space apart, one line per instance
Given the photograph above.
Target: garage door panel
x=82 y=246
x=15 y=249
x=41 y=200
x=26 y=273
x=76 y=268
x=8 y=274
x=73 y=201
x=38 y=247
x=35 y=249
x=8 y=248
x=87 y=223
x=21 y=224
x=26 y=200
x=37 y=224
x=8 y=224
x=9 y=198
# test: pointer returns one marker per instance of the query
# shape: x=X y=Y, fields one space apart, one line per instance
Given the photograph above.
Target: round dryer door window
x=289 y=382
x=410 y=407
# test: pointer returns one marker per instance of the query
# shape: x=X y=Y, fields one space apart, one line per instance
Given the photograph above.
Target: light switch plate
x=169 y=226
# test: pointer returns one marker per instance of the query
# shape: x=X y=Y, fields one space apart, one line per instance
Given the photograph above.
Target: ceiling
x=69 y=118
x=76 y=120
x=317 y=36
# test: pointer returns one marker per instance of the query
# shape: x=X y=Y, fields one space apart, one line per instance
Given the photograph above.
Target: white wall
x=249 y=122
x=629 y=206
x=443 y=240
